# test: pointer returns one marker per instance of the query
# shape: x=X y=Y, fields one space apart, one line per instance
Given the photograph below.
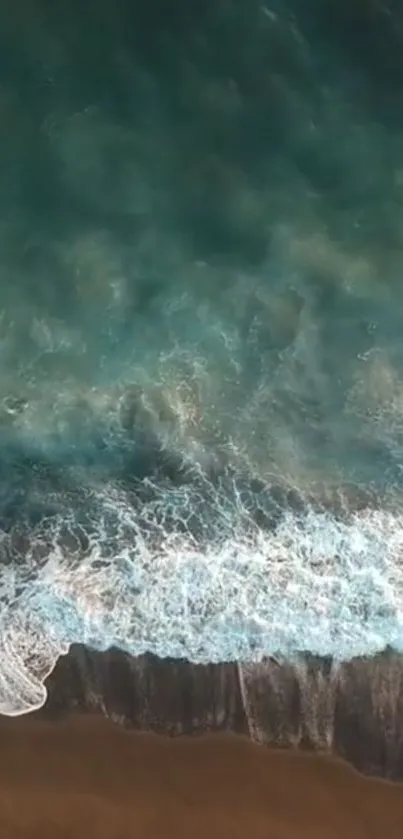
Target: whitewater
x=187 y=572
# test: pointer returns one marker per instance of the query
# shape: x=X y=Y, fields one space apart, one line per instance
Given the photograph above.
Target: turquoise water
x=201 y=309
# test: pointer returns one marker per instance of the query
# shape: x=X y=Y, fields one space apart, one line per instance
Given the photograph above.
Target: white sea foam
x=146 y=582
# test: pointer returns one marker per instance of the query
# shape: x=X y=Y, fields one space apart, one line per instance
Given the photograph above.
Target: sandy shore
x=85 y=777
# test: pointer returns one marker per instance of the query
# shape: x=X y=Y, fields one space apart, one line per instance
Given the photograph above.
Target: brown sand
x=85 y=777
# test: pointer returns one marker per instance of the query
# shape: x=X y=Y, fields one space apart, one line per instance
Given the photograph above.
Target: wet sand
x=86 y=777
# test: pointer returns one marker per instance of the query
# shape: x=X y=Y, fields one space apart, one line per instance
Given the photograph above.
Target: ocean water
x=201 y=331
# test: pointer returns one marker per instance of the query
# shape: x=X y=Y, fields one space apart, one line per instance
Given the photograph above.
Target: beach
x=86 y=777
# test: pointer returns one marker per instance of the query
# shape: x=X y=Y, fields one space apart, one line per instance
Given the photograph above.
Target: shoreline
x=353 y=712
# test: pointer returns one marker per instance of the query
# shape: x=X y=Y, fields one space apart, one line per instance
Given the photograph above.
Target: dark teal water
x=201 y=310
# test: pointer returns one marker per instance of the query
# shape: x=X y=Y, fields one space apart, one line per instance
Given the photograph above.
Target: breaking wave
x=209 y=570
